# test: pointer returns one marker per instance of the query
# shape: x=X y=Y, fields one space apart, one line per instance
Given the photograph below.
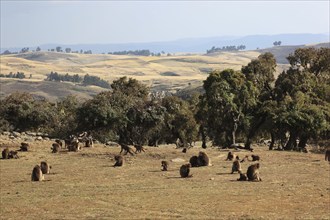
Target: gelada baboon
x=194 y=161
x=184 y=150
x=13 y=155
x=203 y=159
x=230 y=156
x=126 y=148
x=242 y=177
x=74 y=146
x=138 y=148
x=327 y=155
x=55 y=147
x=5 y=153
x=24 y=146
x=236 y=166
x=253 y=172
x=184 y=170
x=45 y=168
x=164 y=165
x=119 y=161
x=59 y=142
x=37 y=174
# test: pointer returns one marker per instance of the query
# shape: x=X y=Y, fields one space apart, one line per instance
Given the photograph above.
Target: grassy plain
x=84 y=185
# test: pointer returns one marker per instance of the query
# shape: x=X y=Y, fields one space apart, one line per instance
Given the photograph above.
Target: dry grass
x=84 y=185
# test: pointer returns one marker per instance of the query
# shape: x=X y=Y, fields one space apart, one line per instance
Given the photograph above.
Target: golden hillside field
x=165 y=72
x=84 y=185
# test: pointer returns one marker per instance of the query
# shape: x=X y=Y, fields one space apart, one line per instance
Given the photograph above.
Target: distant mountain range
x=194 y=45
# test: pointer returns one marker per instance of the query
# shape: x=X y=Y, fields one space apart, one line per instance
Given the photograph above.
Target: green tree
x=229 y=96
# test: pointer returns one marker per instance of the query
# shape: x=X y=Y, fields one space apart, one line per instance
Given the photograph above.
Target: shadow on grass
x=224 y=174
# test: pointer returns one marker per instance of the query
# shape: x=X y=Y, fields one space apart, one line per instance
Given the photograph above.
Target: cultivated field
x=84 y=185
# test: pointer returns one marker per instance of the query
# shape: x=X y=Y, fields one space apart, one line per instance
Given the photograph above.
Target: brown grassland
x=84 y=185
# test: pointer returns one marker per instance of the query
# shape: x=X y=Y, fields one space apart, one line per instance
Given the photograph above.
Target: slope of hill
x=171 y=73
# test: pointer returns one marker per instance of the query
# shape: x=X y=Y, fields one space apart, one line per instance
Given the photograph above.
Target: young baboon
x=45 y=168
x=236 y=166
x=164 y=165
x=230 y=156
x=126 y=148
x=327 y=155
x=138 y=148
x=184 y=150
x=119 y=161
x=24 y=146
x=184 y=170
x=194 y=161
x=37 y=174
x=203 y=159
x=5 y=153
x=55 y=147
x=253 y=172
x=255 y=157
x=74 y=146
x=242 y=177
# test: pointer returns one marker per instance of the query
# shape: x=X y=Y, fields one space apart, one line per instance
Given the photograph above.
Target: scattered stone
x=178 y=160
x=39 y=138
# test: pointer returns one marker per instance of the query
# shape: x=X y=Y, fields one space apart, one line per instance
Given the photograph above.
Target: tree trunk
x=292 y=142
x=253 y=131
x=302 y=142
x=202 y=132
x=271 y=146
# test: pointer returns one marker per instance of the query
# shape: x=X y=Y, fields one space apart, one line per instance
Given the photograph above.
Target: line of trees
x=86 y=80
x=226 y=48
x=236 y=106
x=18 y=75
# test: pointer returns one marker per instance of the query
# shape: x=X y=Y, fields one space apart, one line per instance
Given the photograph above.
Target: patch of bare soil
x=85 y=185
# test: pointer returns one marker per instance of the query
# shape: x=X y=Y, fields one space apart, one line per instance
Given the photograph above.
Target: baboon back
x=5 y=154
x=37 y=174
x=327 y=155
x=184 y=170
x=203 y=159
x=194 y=161
x=45 y=169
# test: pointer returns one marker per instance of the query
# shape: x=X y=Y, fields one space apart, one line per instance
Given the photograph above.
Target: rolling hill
x=170 y=73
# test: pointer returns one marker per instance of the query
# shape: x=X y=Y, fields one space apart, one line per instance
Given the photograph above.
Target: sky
x=33 y=23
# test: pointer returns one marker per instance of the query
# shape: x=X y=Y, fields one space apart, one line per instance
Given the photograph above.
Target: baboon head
x=24 y=146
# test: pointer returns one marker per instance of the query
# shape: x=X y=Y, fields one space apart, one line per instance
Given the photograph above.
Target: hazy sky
x=32 y=23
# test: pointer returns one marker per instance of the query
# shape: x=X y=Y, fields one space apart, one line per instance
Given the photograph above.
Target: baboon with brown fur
x=184 y=170
x=242 y=177
x=230 y=156
x=119 y=161
x=126 y=148
x=5 y=153
x=37 y=174
x=13 y=155
x=327 y=155
x=194 y=161
x=74 y=146
x=24 y=146
x=184 y=150
x=254 y=158
x=203 y=159
x=60 y=143
x=45 y=168
x=164 y=165
x=55 y=147
x=236 y=166
x=253 y=172
x=138 y=148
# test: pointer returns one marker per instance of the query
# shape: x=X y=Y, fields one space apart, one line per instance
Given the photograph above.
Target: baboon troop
x=201 y=160
x=126 y=148
x=236 y=166
x=86 y=138
x=138 y=148
x=164 y=165
x=7 y=154
x=24 y=146
x=184 y=170
x=230 y=156
x=45 y=168
x=37 y=174
x=55 y=147
x=253 y=172
x=119 y=161
x=327 y=155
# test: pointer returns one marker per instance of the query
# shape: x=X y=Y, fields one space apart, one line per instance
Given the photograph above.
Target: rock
x=39 y=138
x=178 y=160
x=16 y=134
x=31 y=133
x=12 y=137
x=6 y=133
x=46 y=138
